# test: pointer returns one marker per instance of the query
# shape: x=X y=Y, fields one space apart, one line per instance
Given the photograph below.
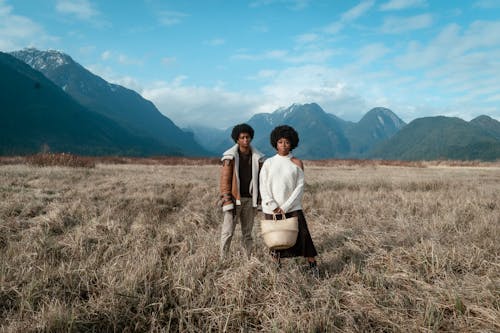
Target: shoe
x=314 y=271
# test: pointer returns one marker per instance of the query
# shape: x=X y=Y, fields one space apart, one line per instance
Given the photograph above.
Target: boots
x=313 y=269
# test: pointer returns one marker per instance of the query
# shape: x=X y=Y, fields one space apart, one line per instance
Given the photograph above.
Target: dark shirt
x=245 y=172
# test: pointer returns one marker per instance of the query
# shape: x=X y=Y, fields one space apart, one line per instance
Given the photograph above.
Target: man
x=239 y=188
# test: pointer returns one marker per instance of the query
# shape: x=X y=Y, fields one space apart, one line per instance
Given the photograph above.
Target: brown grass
x=65 y=159
x=70 y=160
x=60 y=159
x=134 y=247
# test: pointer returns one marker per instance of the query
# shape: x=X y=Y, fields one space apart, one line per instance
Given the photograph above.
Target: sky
x=216 y=63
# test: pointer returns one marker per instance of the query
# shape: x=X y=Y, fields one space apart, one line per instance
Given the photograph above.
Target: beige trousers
x=245 y=213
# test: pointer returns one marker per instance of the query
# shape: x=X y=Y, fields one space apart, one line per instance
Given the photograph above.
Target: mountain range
x=50 y=102
x=322 y=135
x=124 y=106
x=380 y=134
x=36 y=115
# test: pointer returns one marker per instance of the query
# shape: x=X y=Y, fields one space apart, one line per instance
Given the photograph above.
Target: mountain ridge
x=45 y=117
x=123 y=105
x=440 y=137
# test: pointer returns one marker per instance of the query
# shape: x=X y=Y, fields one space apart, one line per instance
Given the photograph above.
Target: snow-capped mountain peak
x=43 y=60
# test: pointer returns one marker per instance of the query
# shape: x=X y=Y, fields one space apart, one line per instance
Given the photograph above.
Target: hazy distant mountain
x=322 y=135
x=379 y=134
x=206 y=136
x=377 y=125
x=37 y=115
x=122 y=105
x=441 y=137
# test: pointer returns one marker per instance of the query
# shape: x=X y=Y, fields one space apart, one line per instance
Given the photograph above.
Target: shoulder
x=230 y=153
x=267 y=161
x=270 y=162
x=298 y=162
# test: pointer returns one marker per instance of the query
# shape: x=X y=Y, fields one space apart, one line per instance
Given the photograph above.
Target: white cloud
x=456 y=72
x=402 y=4
x=357 y=11
x=330 y=88
x=349 y=16
x=127 y=60
x=451 y=44
x=167 y=61
x=307 y=55
x=372 y=52
x=169 y=18
x=214 y=42
x=81 y=9
x=193 y=105
x=347 y=92
x=86 y=49
x=108 y=74
x=268 y=55
x=486 y=4
x=292 y=4
x=493 y=98
x=395 y=25
x=218 y=107
x=311 y=56
x=266 y=73
x=306 y=38
x=262 y=28
x=17 y=32
x=121 y=58
x=106 y=55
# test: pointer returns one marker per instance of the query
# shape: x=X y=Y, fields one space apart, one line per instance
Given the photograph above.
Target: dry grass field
x=134 y=247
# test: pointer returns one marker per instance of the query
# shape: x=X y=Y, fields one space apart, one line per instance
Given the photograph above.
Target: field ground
x=134 y=247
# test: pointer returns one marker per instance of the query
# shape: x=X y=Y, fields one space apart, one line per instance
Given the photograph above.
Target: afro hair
x=241 y=128
x=287 y=132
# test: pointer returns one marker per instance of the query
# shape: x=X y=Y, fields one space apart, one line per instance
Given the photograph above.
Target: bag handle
x=275 y=219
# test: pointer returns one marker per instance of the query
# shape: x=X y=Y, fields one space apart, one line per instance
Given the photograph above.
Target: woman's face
x=283 y=146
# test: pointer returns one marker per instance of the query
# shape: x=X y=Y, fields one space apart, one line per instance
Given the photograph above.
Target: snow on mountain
x=43 y=60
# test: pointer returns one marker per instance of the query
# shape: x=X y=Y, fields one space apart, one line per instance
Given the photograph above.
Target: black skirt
x=304 y=247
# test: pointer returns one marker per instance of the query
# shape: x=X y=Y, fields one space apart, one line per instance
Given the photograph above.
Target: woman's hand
x=279 y=211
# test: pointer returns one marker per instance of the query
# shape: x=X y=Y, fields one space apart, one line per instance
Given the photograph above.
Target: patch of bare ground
x=134 y=247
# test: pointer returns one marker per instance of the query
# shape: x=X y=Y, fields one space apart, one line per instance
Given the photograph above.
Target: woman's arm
x=296 y=196
x=268 y=202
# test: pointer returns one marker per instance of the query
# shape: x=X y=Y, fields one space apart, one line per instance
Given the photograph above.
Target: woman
x=281 y=188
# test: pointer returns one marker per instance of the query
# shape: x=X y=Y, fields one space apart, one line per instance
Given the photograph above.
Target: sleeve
x=296 y=196
x=226 y=178
x=268 y=202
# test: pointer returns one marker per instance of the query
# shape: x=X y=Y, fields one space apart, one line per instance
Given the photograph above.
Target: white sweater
x=281 y=184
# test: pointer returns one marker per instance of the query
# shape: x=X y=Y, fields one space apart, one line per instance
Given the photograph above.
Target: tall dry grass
x=130 y=247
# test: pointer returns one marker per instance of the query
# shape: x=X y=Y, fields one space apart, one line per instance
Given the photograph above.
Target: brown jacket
x=230 y=181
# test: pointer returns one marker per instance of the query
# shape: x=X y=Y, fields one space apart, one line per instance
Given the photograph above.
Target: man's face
x=244 y=140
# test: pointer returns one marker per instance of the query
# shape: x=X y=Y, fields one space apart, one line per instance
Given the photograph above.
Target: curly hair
x=241 y=128
x=287 y=132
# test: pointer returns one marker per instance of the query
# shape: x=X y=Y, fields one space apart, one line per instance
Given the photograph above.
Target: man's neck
x=244 y=150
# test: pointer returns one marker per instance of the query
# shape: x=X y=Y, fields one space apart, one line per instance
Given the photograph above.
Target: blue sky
x=216 y=63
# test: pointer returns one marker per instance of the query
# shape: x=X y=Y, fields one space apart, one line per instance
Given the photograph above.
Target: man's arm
x=226 y=180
